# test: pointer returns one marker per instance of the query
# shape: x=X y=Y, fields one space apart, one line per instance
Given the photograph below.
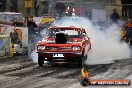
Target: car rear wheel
x=40 y=61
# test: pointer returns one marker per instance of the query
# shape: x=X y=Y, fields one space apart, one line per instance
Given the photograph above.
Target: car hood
x=70 y=41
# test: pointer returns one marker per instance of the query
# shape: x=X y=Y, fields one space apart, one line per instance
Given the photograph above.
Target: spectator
x=31 y=27
x=13 y=7
x=36 y=7
x=115 y=16
x=89 y=13
x=19 y=32
x=14 y=36
x=28 y=5
x=128 y=31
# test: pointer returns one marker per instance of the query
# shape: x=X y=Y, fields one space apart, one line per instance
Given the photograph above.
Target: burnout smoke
x=106 y=45
x=34 y=56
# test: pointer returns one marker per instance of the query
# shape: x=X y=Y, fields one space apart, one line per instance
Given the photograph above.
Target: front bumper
x=60 y=56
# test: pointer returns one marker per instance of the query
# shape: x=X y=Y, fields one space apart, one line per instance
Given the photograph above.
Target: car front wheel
x=81 y=61
x=40 y=61
x=80 y=64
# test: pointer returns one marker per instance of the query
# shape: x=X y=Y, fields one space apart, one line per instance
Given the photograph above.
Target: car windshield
x=17 y=16
x=71 y=32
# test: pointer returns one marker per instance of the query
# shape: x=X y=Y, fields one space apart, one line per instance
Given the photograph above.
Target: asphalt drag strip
x=21 y=72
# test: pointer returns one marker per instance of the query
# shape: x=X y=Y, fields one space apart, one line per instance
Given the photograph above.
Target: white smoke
x=106 y=45
x=34 y=56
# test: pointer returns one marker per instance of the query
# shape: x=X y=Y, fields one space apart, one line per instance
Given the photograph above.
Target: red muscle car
x=64 y=44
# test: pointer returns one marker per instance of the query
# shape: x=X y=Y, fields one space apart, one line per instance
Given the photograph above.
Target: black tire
x=40 y=61
x=80 y=62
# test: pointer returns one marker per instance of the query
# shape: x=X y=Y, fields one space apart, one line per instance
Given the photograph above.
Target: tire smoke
x=34 y=56
x=106 y=45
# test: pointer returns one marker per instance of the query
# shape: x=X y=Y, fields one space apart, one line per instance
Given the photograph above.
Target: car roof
x=10 y=13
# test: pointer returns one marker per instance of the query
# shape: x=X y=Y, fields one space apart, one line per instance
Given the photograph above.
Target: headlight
x=41 y=47
x=76 y=48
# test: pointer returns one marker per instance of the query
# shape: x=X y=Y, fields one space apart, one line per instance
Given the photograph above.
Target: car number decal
x=58 y=55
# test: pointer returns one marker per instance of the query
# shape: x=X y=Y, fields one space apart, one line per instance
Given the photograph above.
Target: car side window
x=8 y=17
x=2 y=16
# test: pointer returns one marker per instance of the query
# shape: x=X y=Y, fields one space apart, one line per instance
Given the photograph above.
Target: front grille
x=58 y=48
x=53 y=42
